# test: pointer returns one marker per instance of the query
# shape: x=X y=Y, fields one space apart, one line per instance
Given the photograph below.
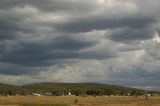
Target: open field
x=80 y=101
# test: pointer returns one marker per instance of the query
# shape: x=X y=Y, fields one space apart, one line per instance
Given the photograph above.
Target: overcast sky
x=105 y=41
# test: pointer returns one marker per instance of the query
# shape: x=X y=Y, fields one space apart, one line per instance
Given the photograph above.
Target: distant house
x=128 y=94
x=148 y=94
x=36 y=94
x=69 y=94
x=48 y=94
x=16 y=94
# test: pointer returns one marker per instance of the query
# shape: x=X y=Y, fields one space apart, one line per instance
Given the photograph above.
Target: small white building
x=36 y=94
x=48 y=94
x=128 y=94
x=148 y=94
x=69 y=94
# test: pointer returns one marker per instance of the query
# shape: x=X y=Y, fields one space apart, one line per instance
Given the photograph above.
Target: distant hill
x=64 y=88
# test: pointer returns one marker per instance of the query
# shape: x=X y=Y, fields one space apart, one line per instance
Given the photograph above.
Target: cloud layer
x=107 y=41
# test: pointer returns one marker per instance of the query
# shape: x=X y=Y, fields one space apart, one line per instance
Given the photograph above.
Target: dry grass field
x=80 y=101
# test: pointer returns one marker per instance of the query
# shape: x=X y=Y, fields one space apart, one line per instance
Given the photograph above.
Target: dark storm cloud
x=67 y=42
x=13 y=69
x=92 y=39
x=10 y=20
x=49 y=5
x=80 y=24
x=7 y=29
x=8 y=4
x=97 y=23
x=129 y=34
x=32 y=54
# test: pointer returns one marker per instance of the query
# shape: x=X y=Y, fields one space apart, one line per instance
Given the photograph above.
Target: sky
x=104 y=41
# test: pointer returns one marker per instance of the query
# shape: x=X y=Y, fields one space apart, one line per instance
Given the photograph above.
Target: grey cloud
x=152 y=48
x=128 y=34
x=10 y=20
x=136 y=83
x=136 y=73
x=84 y=25
x=35 y=58
x=67 y=42
x=50 y=51
x=104 y=42
x=50 y=5
x=13 y=69
x=7 y=29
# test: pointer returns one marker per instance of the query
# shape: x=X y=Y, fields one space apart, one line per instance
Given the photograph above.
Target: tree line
x=77 y=89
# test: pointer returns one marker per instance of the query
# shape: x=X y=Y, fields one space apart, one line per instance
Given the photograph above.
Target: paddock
x=80 y=101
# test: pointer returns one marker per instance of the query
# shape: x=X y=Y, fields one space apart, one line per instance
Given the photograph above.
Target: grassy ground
x=78 y=101
x=44 y=105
